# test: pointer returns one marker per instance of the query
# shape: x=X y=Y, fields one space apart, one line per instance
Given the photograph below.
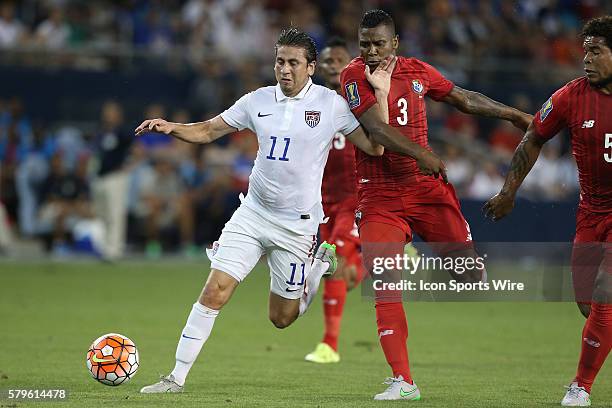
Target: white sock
x=317 y=269
x=199 y=325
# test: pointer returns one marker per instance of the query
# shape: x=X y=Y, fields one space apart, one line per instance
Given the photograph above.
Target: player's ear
x=312 y=66
x=395 y=42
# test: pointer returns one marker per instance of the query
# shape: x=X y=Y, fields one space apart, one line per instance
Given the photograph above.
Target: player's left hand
x=380 y=79
x=523 y=121
x=498 y=206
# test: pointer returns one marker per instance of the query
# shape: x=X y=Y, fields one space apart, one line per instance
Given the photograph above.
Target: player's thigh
x=587 y=255
x=602 y=292
x=441 y=225
x=240 y=245
x=289 y=260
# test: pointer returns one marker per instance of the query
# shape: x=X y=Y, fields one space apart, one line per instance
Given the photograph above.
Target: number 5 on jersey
x=271 y=156
x=608 y=145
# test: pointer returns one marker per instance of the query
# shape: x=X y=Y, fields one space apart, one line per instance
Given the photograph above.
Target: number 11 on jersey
x=284 y=156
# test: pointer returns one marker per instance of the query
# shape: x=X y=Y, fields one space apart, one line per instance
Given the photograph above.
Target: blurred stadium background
x=78 y=76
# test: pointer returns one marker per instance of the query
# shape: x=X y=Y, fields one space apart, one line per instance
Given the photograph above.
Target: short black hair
x=294 y=37
x=599 y=27
x=336 y=41
x=374 y=18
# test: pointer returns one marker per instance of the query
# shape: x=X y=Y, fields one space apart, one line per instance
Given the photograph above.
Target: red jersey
x=587 y=113
x=411 y=81
x=340 y=177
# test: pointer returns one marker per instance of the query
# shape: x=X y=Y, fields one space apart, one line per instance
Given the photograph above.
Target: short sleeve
x=439 y=86
x=237 y=115
x=552 y=117
x=356 y=90
x=344 y=121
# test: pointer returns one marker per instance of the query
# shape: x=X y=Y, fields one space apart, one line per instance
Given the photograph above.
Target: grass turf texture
x=462 y=354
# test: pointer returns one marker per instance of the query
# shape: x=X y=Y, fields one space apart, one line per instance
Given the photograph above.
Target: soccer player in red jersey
x=584 y=107
x=394 y=199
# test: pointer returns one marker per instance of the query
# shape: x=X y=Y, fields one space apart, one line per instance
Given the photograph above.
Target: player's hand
x=431 y=165
x=523 y=121
x=155 y=125
x=380 y=79
x=498 y=206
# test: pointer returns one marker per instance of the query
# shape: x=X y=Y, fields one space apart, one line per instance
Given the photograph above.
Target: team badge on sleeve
x=546 y=109
x=417 y=86
x=352 y=95
x=312 y=118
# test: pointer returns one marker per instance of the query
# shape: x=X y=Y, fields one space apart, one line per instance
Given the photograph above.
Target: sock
x=317 y=269
x=596 y=344
x=392 y=334
x=334 y=296
x=199 y=325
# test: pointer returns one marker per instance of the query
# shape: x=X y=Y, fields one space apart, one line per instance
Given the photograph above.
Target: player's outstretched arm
x=359 y=138
x=525 y=156
x=200 y=132
x=476 y=103
x=392 y=139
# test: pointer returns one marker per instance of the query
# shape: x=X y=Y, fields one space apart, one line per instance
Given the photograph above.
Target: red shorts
x=592 y=250
x=434 y=213
x=341 y=230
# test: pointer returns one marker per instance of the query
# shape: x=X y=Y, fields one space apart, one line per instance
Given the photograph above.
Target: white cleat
x=327 y=253
x=166 y=384
x=576 y=397
x=399 y=390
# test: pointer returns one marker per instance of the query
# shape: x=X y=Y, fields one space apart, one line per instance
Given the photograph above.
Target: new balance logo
x=363 y=180
x=591 y=343
x=385 y=333
x=588 y=124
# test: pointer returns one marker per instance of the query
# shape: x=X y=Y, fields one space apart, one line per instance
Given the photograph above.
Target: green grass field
x=462 y=354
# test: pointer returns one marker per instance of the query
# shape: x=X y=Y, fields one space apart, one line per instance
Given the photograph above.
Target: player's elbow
x=377 y=151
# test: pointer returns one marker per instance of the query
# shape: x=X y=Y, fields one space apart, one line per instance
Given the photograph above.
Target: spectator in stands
x=54 y=32
x=160 y=188
x=12 y=32
x=64 y=200
x=112 y=145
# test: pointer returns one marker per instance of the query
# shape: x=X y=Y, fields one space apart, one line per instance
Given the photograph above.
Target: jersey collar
x=280 y=96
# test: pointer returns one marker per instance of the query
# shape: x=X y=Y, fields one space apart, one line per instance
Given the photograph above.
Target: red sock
x=334 y=296
x=596 y=344
x=393 y=333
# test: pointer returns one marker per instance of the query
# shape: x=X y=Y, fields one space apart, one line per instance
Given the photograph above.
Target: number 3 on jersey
x=285 y=150
x=402 y=104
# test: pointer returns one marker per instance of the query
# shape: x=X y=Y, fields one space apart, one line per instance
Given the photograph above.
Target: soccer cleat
x=327 y=253
x=323 y=354
x=399 y=390
x=576 y=397
x=166 y=384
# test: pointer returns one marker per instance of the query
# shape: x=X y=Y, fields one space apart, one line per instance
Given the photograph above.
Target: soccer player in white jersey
x=295 y=123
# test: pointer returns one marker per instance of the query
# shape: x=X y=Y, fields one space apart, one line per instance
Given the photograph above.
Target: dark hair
x=599 y=27
x=294 y=37
x=335 y=41
x=374 y=18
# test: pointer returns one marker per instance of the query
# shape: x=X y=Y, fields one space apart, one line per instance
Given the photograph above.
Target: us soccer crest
x=312 y=118
x=417 y=86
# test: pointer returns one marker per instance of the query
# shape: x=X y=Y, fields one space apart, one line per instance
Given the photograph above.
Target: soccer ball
x=112 y=359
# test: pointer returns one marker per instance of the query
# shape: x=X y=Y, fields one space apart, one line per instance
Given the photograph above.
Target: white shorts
x=247 y=236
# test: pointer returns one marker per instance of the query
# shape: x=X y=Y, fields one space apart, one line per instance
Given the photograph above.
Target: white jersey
x=295 y=136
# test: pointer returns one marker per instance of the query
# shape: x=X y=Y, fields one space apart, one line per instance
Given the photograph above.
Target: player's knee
x=215 y=295
x=602 y=291
x=281 y=320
